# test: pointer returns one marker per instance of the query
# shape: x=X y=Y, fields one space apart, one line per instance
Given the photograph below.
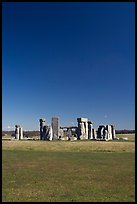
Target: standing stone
x=46 y=130
x=94 y=132
x=105 y=134
x=21 y=133
x=42 y=124
x=109 y=129
x=17 y=133
x=69 y=133
x=79 y=131
x=50 y=133
x=100 y=132
x=90 y=131
x=82 y=128
x=61 y=133
x=55 y=127
x=86 y=130
x=113 y=132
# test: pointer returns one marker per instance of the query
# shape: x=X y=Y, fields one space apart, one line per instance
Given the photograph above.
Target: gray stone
x=55 y=127
x=94 y=132
x=109 y=129
x=42 y=124
x=82 y=128
x=17 y=131
x=50 y=133
x=90 y=132
x=21 y=133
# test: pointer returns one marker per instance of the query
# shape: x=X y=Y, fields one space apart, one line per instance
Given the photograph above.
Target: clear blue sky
x=68 y=60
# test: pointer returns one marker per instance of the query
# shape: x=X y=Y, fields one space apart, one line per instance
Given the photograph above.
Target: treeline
x=7 y=133
x=125 y=131
x=31 y=133
x=25 y=133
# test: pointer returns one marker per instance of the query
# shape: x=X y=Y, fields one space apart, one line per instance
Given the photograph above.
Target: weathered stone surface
x=109 y=129
x=94 y=132
x=113 y=132
x=100 y=132
x=50 y=133
x=18 y=132
x=21 y=133
x=106 y=132
x=90 y=132
x=42 y=124
x=55 y=127
x=80 y=120
x=61 y=133
x=82 y=128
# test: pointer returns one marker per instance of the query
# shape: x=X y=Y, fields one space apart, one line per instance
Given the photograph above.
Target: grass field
x=61 y=171
x=131 y=137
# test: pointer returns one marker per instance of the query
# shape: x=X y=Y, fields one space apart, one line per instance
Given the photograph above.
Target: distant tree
x=125 y=131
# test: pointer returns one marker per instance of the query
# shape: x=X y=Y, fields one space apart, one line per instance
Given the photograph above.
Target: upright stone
x=45 y=132
x=20 y=133
x=69 y=133
x=17 y=133
x=100 y=133
x=42 y=124
x=90 y=132
x=79 y=131
x=105 y=134
x=82 y=128
x=109 y=129
x=113 y=132
x=86 y=130
x=50 y=133
x=55 y=127
x=94 y=132
x=61 y=133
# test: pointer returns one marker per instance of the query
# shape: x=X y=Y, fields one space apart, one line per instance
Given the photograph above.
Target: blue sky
x=68 y=59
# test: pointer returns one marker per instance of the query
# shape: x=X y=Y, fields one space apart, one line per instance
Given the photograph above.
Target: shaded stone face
x=113 y=132
x=45 y=132
x=94 y=133
x=106 y=132
x=42 y=125
x=100 y=134
x=17 y=132
x=42 y=122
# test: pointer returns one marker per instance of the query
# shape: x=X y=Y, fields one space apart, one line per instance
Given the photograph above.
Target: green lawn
x=62 y=175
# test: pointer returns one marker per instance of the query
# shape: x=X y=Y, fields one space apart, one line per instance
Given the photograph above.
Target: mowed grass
x=61 y=171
